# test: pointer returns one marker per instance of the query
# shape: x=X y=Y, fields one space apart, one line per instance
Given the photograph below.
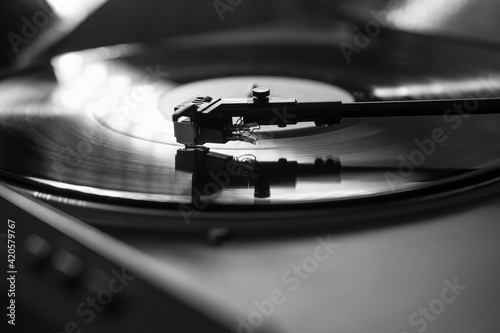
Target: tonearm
x=205 y=119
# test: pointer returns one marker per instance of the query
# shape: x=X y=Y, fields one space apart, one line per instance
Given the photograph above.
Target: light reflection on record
x=98 y=129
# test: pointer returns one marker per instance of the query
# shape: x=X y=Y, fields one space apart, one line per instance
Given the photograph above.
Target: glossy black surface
x=97 y=129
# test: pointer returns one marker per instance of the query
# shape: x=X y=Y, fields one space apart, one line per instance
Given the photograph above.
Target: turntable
x=255 y=179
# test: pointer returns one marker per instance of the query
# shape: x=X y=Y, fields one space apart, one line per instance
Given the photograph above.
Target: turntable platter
x=95 y=132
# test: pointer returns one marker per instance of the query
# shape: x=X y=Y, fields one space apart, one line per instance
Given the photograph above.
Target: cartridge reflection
x=213 y=172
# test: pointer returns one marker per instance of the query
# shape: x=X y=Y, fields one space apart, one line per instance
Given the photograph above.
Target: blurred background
x=32 y=28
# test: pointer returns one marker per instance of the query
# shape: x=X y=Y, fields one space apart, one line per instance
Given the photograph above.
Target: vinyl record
x=95 y=139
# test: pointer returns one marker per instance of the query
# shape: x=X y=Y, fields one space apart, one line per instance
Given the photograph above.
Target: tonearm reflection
x=214 y=172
